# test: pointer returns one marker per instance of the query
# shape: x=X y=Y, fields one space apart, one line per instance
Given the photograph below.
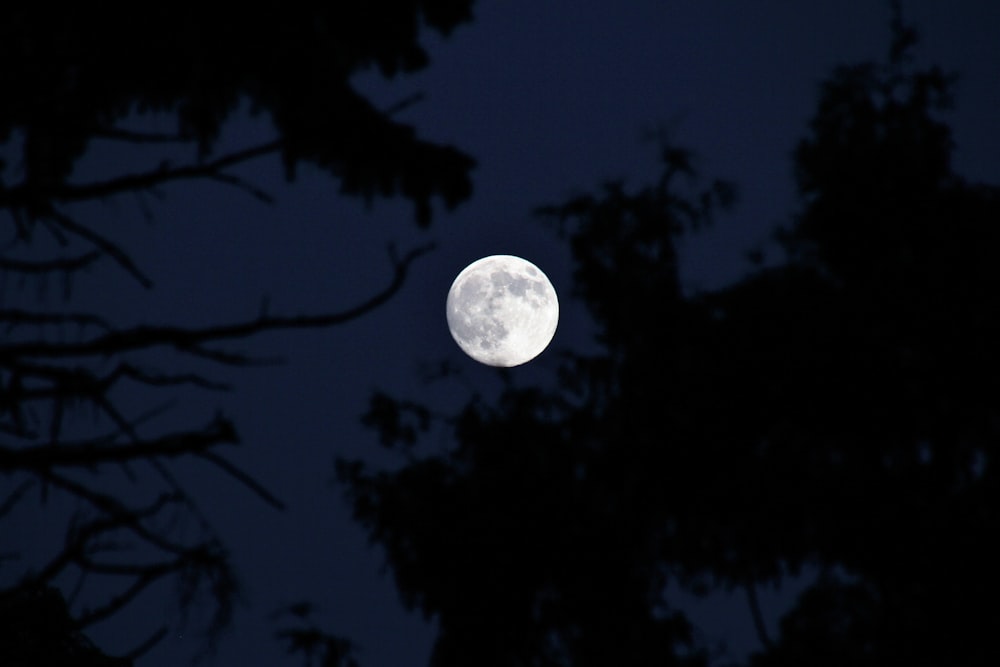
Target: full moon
x=502 y=310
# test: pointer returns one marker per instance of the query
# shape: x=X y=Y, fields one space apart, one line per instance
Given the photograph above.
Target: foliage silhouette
x=825 y=414
x=74 y=79
x=39 y=630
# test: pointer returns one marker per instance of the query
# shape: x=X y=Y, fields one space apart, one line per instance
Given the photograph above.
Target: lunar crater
x=502 y=310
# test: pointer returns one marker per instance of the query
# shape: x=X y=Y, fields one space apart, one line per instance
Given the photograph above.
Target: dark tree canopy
x=77 y=75
x=92 y=75
x=829 y=414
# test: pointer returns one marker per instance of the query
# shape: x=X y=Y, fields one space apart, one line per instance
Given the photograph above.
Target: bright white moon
x=502 y=310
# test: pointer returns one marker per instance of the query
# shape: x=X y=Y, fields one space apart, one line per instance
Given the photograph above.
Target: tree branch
x=15 y=497
x=14 y=317
x=127 y=517
x=21 y=196
x=90 y=454
x=146 y=645
x=143 y=579
x=105 y=245
x=244 y=478
x=189 y=340
x=65 y=264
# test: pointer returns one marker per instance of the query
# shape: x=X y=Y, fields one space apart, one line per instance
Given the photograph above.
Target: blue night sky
x=551 y=98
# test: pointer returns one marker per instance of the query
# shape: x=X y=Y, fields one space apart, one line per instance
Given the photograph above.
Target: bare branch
x=227 y=357
x=21 y=197
x=255 y=191
x=65 y=264
x=246 y=479
x=15 y=496
x=89 y=454
x=112 y=507
x=15 y=317
x=142 y=581
x=105 y=245
x=127 y=569
x=32 y=382
x=155 y=379
x=405 y=103
x=144 y=648
x=191 y=340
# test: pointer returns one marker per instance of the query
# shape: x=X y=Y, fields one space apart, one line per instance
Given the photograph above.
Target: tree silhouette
x=828 y=414
x=74 y=79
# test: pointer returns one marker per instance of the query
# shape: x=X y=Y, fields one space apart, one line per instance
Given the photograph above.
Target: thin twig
x=23 y=197
x=105 y=245
x=758 y=617
x=146 y=645
x=117 y=602
x=243 y=478
x=15 y=496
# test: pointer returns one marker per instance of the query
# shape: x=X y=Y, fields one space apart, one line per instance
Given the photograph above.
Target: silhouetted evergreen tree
x=95 y=73
x=832 y=413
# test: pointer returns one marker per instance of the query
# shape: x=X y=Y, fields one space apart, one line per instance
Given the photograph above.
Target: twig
x=103 y=244
x=159 y=380
x=758 y=617
x=244 y=478
x=146 y=645
x=242 y=184
x=151 y=179
x=22 y=197
x=15 y=496
x=404 y=103
x=119 y=601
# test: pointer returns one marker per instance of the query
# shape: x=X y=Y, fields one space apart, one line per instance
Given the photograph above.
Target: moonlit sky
x=551 y=98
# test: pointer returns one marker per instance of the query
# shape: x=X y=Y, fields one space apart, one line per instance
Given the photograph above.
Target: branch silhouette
x=67 y=90
x=189 y=340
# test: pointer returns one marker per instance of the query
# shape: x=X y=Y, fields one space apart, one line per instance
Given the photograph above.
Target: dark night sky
x=551 y=99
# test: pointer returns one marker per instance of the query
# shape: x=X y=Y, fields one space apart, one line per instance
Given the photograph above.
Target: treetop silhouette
x=75 y=77
x=824 y=417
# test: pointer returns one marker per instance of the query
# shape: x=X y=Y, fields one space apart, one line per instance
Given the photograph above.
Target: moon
x=502 y=310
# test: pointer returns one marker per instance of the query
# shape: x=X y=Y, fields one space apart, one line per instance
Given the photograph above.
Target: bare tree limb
x=144 y=577
x=22 y=197
x=255 y=191
x=244 y=478
x=90 y=454
x=105 y=245
x=144 y=648
x=15 y=317
x=142 y=337
x=14 y=497
x=65 y=264
x=156 y=379
x=405 y=103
